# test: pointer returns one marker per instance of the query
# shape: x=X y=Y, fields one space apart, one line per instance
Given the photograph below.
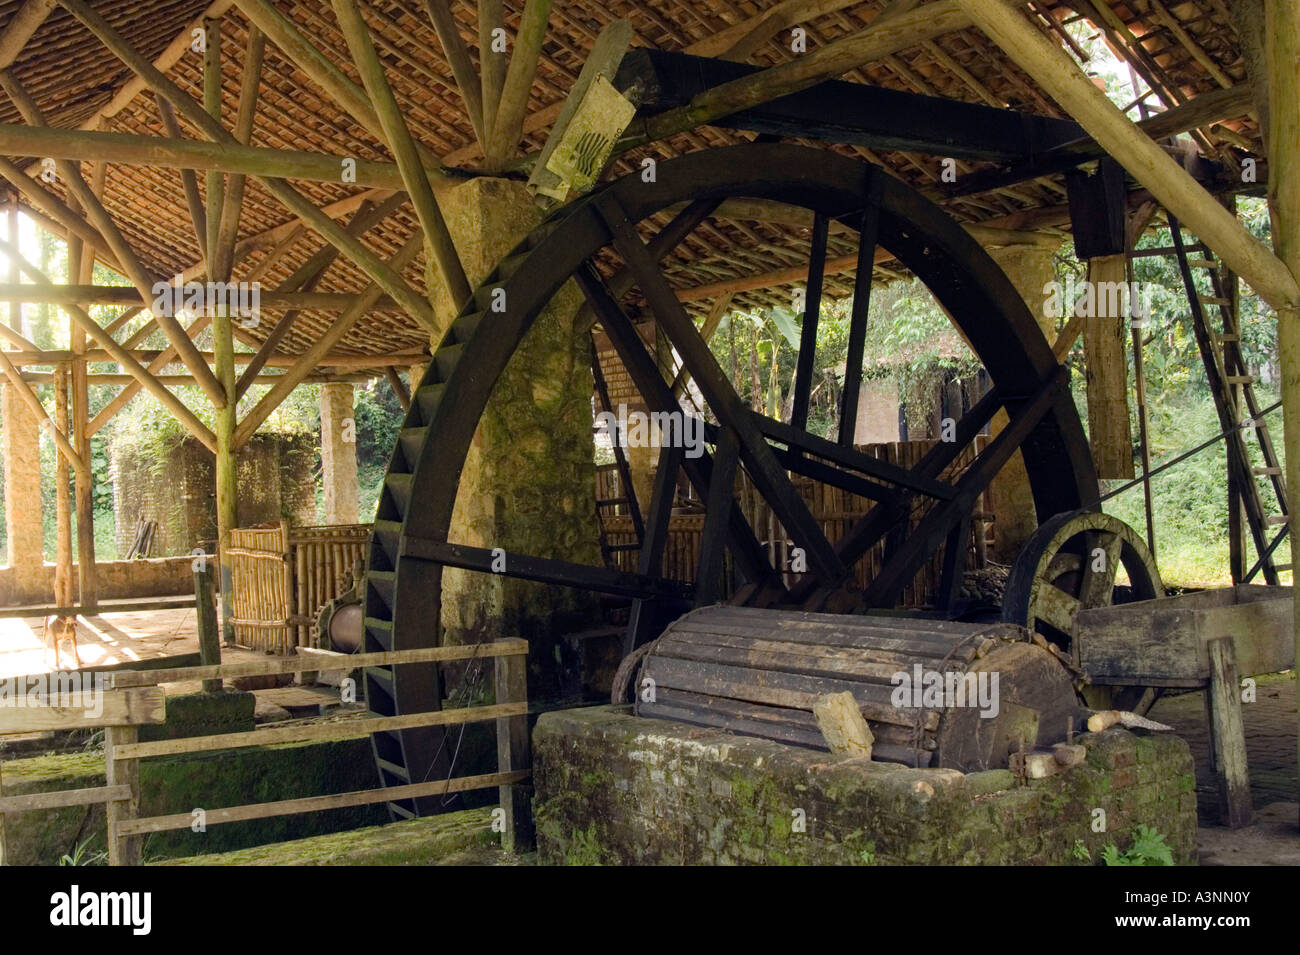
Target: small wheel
x=1072 y=563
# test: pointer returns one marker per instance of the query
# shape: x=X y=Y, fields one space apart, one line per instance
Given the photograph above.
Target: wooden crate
x=1163 y=642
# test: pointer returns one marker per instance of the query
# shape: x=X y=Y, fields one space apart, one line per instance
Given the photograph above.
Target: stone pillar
x=338 y=452
x=22 y=476
x=528 y=484
x=1030 y=268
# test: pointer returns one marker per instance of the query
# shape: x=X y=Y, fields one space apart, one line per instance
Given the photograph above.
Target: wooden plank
x=346 y=729
x=513 y=755
x=123 y=848
x=127 y=605
x=31 y=802
x=291 y=807
x=1228 y=736
x=297 y=665
x=129 y=707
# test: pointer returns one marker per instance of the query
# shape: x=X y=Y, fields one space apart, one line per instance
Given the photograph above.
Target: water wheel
x=410 y=545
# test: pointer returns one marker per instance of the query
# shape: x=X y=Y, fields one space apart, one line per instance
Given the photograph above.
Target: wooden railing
x=134 y=699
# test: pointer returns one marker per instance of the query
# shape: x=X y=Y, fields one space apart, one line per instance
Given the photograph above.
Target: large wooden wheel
x=410 y=544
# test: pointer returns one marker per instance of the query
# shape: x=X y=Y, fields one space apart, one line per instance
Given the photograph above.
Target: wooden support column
x=1228 y=736
x=1107 y=370
x=338 y=452
x=22 y=463
x=81 y=268
x=1282 y=53
x=62 y=505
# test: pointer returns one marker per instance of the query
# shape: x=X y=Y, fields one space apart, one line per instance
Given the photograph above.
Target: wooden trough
x=1206 y=640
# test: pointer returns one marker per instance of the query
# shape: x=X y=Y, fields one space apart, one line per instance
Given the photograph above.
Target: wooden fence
x=283 y=575
x=134 y=698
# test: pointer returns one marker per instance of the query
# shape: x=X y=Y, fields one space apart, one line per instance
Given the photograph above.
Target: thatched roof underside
x=72 y=77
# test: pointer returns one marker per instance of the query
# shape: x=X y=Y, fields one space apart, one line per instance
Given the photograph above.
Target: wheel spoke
x=1054 y=606
x=749 y=553
x=767 y=474
x=722 y=485
x=1098 y=586
x=867 y=238
x=806 y=358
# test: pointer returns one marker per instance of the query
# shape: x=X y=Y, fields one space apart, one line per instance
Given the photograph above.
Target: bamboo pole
x=402 y=145
x=492 y=65
x=21 y=28
x=189 y=181
x=234 y=205
x=385 y=277
x=176 y=152
x=169 y=57
x=312 y=357
x=507 y=125
x=1051 y=67
x=1282 y=54
x=118 y=353
x=25 y=392
x=99 y=216
x=214 y=181
x=462 y=70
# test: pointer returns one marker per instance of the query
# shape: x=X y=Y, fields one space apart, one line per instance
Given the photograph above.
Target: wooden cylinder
x=934 y=692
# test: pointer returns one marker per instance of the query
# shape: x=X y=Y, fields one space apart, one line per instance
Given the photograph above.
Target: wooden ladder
x=628 y=494
x=1232 y=387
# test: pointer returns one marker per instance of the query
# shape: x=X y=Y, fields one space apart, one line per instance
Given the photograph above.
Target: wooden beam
x=81 y=268
x=21 y=28
x=104 y=224
x=1282 y=55
x=387 y=279
x=399 y=387
x=189 y=181
x=169 y=57
x=161 y=361
x=118 y=353
x=310 y=359
x=51 y=206
x=826 y=62
x=492 y=66
x=772 y=21
x=176 y=152
x=125 y=295
x=457 y=54
x=25 y=392
x=507 y=126
x=402 y=144
x=1054 y=71
x=234 y=204
x=322 y=71
x=215 y=182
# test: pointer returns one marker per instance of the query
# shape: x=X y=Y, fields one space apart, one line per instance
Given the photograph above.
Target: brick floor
x=1271 y=747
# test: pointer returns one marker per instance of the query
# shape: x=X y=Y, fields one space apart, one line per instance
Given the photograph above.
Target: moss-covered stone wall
x=198 y=781
x=617 y=789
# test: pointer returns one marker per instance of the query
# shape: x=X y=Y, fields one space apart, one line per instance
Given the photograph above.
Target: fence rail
x=134 y=699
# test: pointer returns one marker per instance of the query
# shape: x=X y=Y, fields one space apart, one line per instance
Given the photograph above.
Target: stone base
x=617 y=789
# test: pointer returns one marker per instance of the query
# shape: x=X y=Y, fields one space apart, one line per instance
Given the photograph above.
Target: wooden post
x=122 y=850
x=4 y=846
x=206 y=613
x=1282 y=51
x=63 y=516
x=1228 y=736
x=81 y=267
x=513 y=753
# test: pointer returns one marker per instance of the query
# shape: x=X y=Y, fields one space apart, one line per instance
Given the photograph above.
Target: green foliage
x=82 y=854
x=1149 y=848
x=1080 y=851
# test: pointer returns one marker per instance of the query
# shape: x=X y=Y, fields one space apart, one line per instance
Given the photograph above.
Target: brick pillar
x=1030 y=268
x=22 y=477
x=338 y=452
x=528 y=484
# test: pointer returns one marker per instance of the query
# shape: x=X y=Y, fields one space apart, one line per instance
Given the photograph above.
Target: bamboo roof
x=1188 y=48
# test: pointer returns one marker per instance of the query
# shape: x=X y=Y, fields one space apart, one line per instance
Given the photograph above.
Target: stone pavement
x=1271 y=747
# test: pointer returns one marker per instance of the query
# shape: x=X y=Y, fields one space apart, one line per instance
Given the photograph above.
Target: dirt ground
x=1274 y=838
